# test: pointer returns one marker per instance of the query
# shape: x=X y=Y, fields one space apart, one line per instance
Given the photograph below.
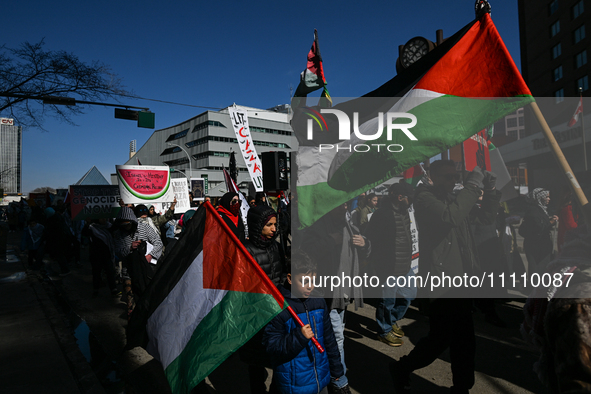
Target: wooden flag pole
x=555 y=148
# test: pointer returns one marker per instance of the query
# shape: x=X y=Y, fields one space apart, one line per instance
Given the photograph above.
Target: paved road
x=58 y=330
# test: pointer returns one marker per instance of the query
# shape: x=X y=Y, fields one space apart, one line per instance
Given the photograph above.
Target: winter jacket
x=389 y=232
x=445 y=237
x=268 y=259
x=265 y=251
x=266 y=254
x=102 y=247
x=328 y=243
x=32 y=237
x=57 y=235
x=160 y=220
x=140 y=231
x=535 y=230
x=299 y=368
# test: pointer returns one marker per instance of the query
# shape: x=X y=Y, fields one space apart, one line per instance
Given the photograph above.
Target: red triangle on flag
x=578 y=111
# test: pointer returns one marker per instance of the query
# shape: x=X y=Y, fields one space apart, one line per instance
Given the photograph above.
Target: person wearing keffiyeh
x=536 y=228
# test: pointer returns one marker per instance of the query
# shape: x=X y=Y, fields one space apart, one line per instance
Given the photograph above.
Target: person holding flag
x=261 y=244
x=447 y=245
x=299 y=366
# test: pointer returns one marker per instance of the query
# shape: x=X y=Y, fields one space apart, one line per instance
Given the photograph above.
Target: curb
x=83 y=374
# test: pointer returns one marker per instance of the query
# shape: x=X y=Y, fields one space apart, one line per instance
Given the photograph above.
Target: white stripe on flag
x=412 y=99
x=172 y=324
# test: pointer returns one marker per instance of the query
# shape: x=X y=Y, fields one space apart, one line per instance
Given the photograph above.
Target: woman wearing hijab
x=536 y=226
x=261 y=244
x=229 y=211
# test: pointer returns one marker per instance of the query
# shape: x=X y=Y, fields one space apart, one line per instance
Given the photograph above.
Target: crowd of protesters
x=462 y=227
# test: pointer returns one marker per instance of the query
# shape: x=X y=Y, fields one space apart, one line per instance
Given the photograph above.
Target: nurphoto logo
x=344 y=125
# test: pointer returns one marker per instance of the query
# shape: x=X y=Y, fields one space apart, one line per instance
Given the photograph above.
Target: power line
x=165 y=102
x=120 y=94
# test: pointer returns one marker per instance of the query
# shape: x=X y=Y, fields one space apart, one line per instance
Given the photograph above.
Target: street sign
x=204 y=176
x=146 y=119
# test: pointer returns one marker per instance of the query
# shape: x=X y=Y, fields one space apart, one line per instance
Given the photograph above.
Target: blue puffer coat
x=299 y=368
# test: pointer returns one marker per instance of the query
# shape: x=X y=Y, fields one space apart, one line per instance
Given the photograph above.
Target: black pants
x=450 y=326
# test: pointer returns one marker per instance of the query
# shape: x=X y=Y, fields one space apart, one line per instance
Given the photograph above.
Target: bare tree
x=44 y=189
x=30 y=70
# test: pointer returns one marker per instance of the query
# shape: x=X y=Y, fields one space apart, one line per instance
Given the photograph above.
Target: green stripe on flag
x=441 y=124
x=228 y=326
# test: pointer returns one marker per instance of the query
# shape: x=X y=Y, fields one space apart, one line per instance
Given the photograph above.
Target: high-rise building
x=11 y=150
x=554 y=64
x=555 y=47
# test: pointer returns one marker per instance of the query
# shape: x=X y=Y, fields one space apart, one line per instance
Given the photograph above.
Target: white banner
x=144 y=184
x=239 y=120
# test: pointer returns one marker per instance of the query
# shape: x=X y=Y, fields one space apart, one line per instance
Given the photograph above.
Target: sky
x=208 y=55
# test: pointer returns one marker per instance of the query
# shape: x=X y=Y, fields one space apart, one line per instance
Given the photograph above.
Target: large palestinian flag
x=464 y=85
x=206 y=300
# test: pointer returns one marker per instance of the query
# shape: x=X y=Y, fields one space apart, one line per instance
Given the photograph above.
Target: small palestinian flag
x=413 y=175
x=312 y=78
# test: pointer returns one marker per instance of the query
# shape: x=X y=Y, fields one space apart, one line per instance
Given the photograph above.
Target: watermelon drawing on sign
x=145 y=184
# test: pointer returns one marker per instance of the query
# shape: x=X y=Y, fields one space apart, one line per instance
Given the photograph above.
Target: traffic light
x=145 y=119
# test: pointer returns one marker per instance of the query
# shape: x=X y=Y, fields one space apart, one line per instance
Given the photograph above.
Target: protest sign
x=94 y=202
x=198 y=189
x=144 y=184
x=181 y=193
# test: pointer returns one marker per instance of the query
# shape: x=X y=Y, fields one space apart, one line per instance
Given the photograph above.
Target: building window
x=512 y=122
x=581 y=59
x=177 y=135
x=583 y=83
x=559 y=95
x=556 y=51
x=557 y=73
x=168 y=151
x=176 y=162
x=579 y=34
x=555 y=29
x=578 y=9
x=552 y=7
x=203 y=125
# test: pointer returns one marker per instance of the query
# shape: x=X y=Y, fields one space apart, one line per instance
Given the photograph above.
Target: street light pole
x=188 y=157
x=188 y=179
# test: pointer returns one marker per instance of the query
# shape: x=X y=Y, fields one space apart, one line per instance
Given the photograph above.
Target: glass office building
x=11 y=151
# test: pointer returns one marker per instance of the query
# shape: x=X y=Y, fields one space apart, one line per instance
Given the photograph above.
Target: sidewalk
x=55 y=334
x=38 y=351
